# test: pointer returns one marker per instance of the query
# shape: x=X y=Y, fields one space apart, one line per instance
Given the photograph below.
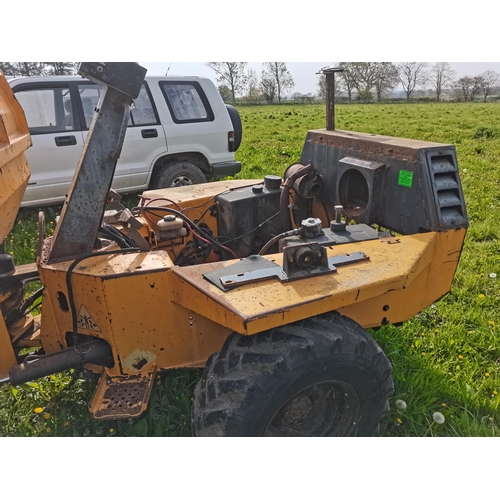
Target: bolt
x=339 y=209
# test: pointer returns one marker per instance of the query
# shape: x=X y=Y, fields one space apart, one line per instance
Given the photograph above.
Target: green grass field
x=445 y=360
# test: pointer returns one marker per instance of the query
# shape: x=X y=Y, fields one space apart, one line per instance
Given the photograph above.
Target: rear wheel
x=237 y=127
x=177 y=174
x=324 y=376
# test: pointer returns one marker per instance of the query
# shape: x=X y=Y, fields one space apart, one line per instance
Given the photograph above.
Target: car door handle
x=66 y=140
x=149 y=132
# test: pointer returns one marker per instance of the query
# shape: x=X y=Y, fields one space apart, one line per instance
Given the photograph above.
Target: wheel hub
x=325 y=409
x=298 y=409
x=182 y=180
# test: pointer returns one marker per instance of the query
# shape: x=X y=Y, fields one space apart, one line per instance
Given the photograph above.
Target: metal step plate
x=122 y=396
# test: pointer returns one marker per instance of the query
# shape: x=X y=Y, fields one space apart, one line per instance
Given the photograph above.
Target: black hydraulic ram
x=97 y=352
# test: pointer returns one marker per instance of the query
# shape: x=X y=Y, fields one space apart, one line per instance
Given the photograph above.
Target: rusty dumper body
x=270 y=285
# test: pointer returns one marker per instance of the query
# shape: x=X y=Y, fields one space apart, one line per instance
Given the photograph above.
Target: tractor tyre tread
x=250 y=369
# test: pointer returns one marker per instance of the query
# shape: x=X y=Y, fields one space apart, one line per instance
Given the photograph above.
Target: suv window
x=187 y=102
x=141 y=112
x=89 y=95
x=47 y=110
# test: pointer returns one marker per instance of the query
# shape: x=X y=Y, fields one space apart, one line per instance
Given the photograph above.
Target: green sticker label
x=405 y=178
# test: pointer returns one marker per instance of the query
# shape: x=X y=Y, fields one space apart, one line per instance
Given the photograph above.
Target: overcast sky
x=303 y=73
x=386 y=30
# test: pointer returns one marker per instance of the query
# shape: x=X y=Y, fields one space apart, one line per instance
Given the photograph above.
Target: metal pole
x=330 y=95
x=330 y=101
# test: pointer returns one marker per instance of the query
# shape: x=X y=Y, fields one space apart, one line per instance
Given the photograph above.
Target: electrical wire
x=251 y=230
x=190 y=223
x=204 y=213
x=164 y=199
x=114 y=234
x=69 y=273
x=201 y=251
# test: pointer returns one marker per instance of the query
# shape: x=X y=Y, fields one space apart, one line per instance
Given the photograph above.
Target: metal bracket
x=302 y=261
x=131 y=225
x=257 y=268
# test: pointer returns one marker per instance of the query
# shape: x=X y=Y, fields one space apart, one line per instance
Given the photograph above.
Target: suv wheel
x=237 y=127
x=177 y=174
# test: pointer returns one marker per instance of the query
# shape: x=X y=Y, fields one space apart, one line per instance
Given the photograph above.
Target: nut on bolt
x=311 y=227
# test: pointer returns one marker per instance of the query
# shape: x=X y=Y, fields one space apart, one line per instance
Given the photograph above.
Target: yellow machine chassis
x=159 y=316
x=155 y=315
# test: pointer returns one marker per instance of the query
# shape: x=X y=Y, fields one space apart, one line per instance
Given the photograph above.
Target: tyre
x=323 y=376
x=237 y=127
x=176 y=174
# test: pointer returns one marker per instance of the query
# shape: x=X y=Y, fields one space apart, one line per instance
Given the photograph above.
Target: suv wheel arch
x=179 y=170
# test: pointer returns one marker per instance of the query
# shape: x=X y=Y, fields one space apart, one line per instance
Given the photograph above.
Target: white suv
x=180 y=132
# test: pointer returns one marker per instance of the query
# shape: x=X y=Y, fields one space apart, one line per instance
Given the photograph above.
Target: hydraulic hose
x=97 y=352
x=278 y=237
x=285 y=193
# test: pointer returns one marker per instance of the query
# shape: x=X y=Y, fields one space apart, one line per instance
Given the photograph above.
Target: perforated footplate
x=121 y=397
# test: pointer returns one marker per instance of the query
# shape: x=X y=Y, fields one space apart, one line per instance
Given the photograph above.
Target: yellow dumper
x=268 y=284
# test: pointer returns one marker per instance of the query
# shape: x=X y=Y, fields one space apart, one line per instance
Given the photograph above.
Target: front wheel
x=177 y=174
x=323 y=376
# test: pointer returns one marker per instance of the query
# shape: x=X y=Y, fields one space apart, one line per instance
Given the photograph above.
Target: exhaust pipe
x=97 y=352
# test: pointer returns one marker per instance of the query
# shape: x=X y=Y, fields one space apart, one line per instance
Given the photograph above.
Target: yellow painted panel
x=14 y=171
x=155 y=314
x=269 y=303
x=126 y=300
x=7 y=357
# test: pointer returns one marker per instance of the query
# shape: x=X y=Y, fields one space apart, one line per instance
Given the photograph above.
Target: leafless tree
x=231 y=74
x=268 y=87
x=441 y=78
x=38 y=68
x=477 y=84
x=385 y=78
x=281 y=75
x=7 y=68
x=412 y=75
x=463 y=88
x=61 y=68
x=23 y=68
x=253 y=92
x=322 y=87
x=321 y=95
x=489 y=80
x=347 y=78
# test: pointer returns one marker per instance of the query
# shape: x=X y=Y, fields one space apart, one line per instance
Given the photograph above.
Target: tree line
x=235 y=79
x=373 y=80
x=38 y=68
x=358 y=81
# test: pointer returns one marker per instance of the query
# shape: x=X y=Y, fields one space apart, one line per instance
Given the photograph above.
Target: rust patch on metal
x=138 y=358
x=390 y=240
